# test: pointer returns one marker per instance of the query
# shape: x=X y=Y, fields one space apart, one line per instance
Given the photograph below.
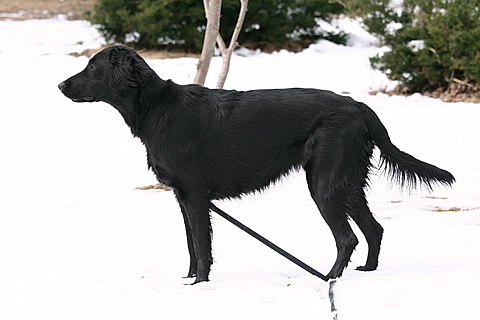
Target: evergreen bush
x=431 y=42
x=151 y=23
x=181 y=24
x=288 y=24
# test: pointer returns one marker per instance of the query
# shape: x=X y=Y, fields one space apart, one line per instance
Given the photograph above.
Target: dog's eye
x=92 y=67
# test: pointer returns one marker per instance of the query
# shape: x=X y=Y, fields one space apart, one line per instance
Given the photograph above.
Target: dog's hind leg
x=192 y=270
x=371 y=229
x=331 y=201
x=196 y=214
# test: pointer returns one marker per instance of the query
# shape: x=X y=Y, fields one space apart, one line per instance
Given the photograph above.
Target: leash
x=268 y=243
x=287 y=255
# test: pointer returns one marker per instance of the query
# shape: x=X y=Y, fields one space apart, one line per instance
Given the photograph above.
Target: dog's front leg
x=196 y=214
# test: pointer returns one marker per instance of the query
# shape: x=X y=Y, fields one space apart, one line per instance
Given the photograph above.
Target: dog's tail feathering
x=403 y=168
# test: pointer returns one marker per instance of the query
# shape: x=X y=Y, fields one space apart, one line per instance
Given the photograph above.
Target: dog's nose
x=62 y=86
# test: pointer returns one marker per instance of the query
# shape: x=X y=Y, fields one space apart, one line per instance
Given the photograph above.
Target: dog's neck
x=138 y=109
x=125 y=105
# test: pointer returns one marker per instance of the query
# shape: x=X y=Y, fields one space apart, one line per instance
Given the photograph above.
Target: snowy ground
x=77 y=241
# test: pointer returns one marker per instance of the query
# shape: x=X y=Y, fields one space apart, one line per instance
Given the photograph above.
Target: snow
x=77 y=240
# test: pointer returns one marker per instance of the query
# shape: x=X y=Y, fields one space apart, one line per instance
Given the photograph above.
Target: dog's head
x=109 y=75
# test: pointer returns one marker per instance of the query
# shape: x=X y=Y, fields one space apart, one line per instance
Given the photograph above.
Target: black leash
x=268 y=243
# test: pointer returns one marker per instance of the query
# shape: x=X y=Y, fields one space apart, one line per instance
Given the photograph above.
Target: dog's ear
x=127 y=67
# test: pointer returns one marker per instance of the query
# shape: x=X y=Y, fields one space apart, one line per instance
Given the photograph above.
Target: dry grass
x=155 y=187
x=147 y=54
x=452 y=209
x=41 y=9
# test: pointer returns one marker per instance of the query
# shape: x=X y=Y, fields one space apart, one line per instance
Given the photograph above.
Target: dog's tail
x=403 y=168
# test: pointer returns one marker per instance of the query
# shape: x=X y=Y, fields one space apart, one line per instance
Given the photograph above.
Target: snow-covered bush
x=430 y=42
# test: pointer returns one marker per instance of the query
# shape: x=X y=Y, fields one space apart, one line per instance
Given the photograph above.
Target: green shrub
x=181 y=24
x=430 y=42
x=151 y=23
x=281 y=23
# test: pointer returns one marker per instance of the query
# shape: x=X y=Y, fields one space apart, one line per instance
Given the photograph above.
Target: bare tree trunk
x=227 y=52
x=212 y=12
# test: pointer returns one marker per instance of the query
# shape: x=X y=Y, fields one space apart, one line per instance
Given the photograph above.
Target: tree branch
x=227 y=52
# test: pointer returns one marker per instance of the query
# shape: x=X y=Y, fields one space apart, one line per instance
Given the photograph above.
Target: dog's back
x=231 y=143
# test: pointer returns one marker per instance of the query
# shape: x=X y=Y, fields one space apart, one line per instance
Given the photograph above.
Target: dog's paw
x=366 y=268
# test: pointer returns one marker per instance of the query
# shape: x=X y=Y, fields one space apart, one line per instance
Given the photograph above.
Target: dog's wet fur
x=210 y=144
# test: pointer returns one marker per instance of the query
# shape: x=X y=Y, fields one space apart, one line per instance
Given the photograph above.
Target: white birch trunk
x=212 y=12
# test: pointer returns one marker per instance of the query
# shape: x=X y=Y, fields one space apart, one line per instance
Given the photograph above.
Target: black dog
x=214 y=144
